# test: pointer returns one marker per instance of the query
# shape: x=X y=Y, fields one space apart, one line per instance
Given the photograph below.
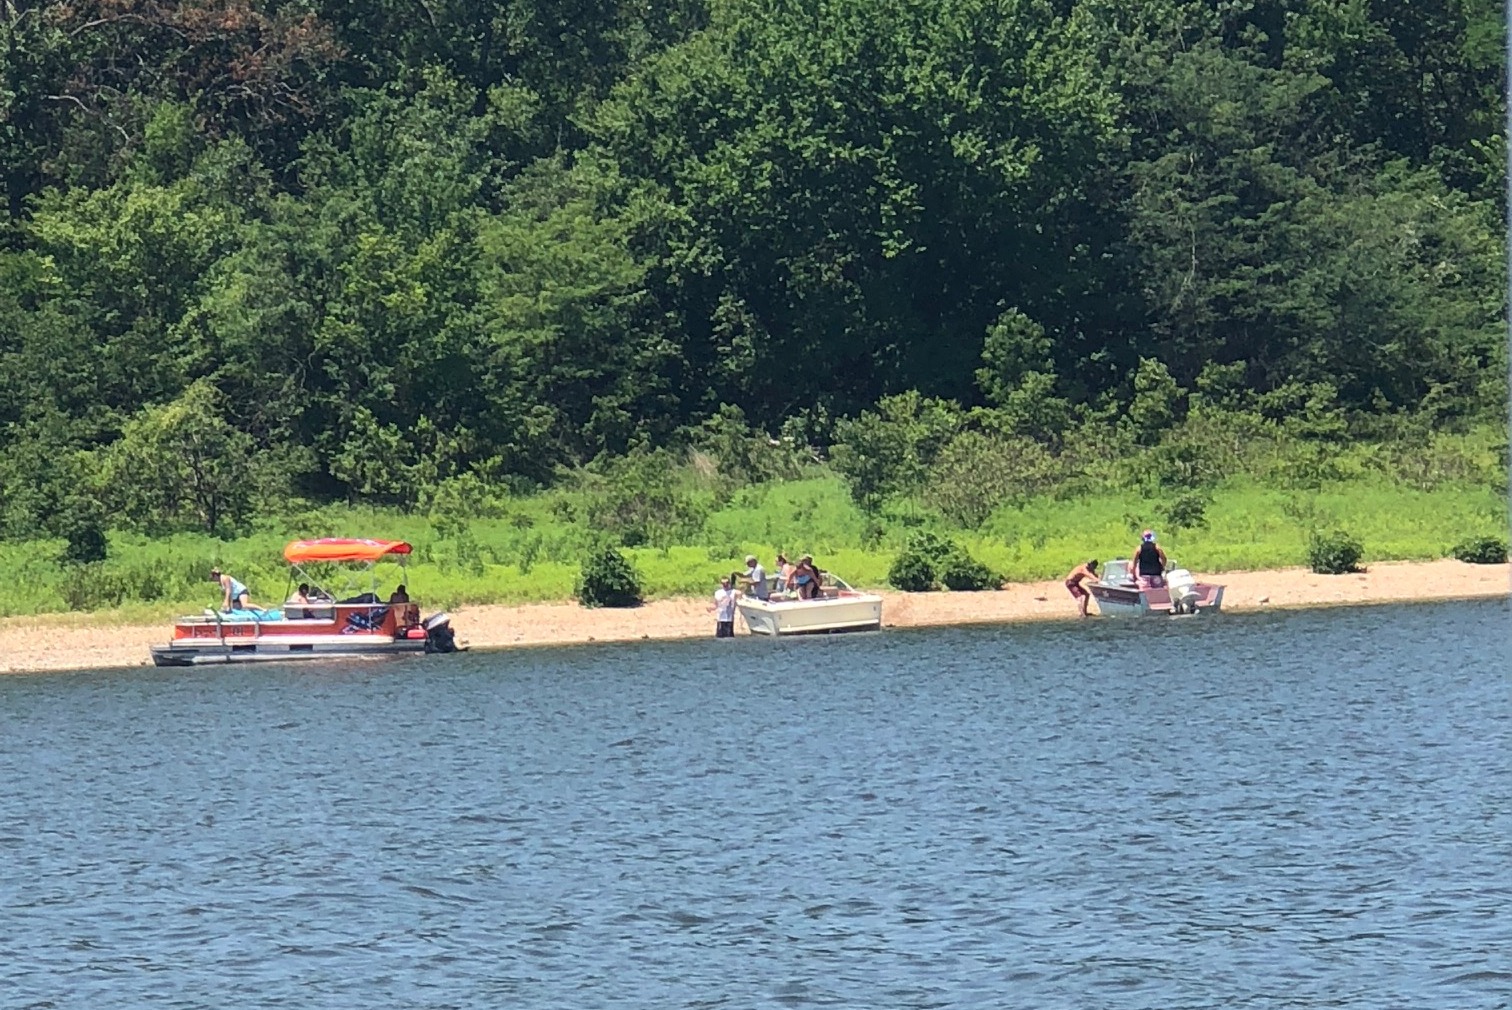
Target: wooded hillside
x=258 y=249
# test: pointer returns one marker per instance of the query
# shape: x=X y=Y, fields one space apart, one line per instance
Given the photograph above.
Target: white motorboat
x=1117 y=595
x=837 y=608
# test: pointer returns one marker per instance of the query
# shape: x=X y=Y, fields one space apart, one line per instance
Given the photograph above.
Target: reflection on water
x=1283 y=810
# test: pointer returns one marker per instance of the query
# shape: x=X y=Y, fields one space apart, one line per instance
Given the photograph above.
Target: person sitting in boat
x=1149 y=562
x=296 y=606
x=399 y=595
x=754 y=580
x=1082 y=573
x=233 y=591
x=805 y=578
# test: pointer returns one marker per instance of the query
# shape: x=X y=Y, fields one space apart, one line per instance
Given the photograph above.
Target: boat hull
x=847 y=612
x=326 y=632
x=1127 y=601
x=281 y=649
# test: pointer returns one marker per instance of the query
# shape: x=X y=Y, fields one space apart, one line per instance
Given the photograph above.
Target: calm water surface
x=1285 y=810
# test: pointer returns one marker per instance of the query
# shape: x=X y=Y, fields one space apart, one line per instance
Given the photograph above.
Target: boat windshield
x=832 y=584
x=1116 y=573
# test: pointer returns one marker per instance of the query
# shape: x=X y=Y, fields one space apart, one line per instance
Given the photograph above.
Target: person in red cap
x=1149 y=562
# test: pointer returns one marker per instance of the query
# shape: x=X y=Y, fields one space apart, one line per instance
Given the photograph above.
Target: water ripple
x=1279 y=810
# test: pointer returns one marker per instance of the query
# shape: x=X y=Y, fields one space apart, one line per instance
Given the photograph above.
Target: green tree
x=887 y=453
x=850 y=190
x=572 y=351
x=977 y=473
x=1156 y=403
x=183 y=460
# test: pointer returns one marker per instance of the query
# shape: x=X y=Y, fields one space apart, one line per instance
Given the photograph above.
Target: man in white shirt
x=724 y=609
x=757 y=577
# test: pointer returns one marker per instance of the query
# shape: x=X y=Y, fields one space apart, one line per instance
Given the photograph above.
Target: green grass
x=530 y=551
x=1248 y=527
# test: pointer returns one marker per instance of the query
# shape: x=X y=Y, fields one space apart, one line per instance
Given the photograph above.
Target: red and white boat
x=359 y=624
x=1118 y=596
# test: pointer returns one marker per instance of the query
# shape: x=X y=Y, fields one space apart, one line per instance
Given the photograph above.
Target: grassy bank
x=529 y=549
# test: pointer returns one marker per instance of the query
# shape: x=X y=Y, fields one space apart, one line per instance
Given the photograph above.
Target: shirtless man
x=1080 y=574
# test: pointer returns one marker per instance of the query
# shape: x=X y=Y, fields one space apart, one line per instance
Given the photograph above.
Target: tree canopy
x=255 y=248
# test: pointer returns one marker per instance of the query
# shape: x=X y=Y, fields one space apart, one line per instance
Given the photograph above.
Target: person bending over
x=1086 y=572
x=232 y=591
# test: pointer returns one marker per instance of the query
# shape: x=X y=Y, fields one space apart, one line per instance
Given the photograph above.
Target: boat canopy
x=342 y=549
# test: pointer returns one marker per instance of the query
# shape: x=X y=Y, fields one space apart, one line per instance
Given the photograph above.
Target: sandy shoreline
x=56 y=643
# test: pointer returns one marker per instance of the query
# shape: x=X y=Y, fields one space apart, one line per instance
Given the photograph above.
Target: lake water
x=1308 y=809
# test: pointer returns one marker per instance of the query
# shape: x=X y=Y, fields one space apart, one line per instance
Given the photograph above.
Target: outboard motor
x=439 y=636
x=1183 y=588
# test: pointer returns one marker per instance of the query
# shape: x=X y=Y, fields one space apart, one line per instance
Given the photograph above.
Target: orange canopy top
x=342 y=549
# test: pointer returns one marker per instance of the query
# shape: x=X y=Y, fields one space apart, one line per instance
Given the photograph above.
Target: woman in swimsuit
x=234 y=591
x=806 y=578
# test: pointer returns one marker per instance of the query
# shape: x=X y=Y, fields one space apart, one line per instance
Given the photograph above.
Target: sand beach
x=73 y=642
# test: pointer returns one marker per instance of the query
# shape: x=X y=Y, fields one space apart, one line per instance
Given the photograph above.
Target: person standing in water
x=1082 y=573
x=724 y=609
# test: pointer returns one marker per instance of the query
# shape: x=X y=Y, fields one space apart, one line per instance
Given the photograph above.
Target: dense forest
x=404 y=252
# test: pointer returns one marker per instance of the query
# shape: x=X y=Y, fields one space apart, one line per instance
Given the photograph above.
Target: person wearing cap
x=1086 y=572
x=1149 y=562
x=234 y=591
x=756 y=578
x=724 y=609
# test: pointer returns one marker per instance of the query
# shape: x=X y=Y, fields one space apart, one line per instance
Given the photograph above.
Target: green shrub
x=89 y=587
x=912 y=573
x=1187 y=512
x=97 y=586
x=529 y=551
x=82 y=525
x=913 y=570
x=85 y=543
x=976 y=473
x=963 y=573
x=1334 y=553
x=608 y=580
x=928 y=559
x=466 y=552
x=1482 y=551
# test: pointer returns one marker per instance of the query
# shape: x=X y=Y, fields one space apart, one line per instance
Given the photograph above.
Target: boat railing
x=406 y=614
